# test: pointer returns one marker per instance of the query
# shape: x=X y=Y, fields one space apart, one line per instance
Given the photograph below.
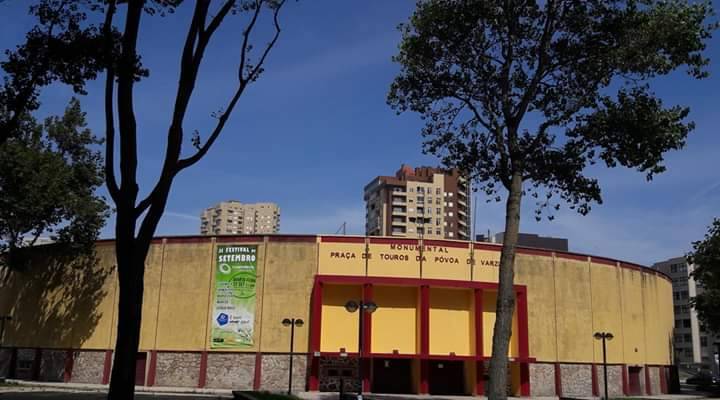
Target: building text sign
x=234 y=301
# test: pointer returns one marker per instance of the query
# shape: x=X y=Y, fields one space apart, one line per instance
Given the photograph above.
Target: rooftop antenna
x=342 y=228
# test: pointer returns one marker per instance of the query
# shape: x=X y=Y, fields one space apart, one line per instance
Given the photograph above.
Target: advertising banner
x=234 y=301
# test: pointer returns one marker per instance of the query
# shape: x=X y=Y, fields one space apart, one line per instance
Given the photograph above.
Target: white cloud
x=175 y=214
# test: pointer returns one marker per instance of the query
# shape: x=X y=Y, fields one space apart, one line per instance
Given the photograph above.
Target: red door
x=140 y=362
x=634 y=381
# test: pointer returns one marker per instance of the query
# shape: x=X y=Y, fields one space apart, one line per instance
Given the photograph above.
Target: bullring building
x=214 y=305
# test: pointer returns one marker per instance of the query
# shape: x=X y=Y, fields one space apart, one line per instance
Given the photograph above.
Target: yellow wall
x=606 y=318
x=184 y=307
x=489 y=310
x=568 y=300
x=450 y=321
x=632 y=317
x=339 y=327
x=286 y=282
x=537 y=273
x=573 y=310
x=394 y=324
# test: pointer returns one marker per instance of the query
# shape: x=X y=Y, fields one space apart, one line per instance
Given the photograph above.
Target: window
x=450 y=214
x=686 y=323
x=439 y=211
x=438 y=191
x=677 y=338
x=703 y=341
x=450 y=194
x=684 y=294
x=421 y=200
x=673 y=268
x=410 y=190
x=687 y=337
x=450 y=234
x=421 y=189
x=437 y=231
x=437 y=221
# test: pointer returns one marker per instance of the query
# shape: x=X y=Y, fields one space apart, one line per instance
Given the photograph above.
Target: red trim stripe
x=522 y=316
x=524 y=379
x=479 y=378
x=558 y=380
x=381 y=240
x=257 y=378
x=69 y=360
x=106 y=367
x=342 y=239
x=625 y=387
x=293 y=238
x=445 y=243
x=595 y=389
x=202 y=378
x=152 y=368
x=239 y=239
x=532 y=252
x=603 y=260
x=570 y=256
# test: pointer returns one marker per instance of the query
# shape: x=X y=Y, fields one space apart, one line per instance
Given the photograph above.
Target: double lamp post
x=292 y=323
x=363 y=307
x=604 y=336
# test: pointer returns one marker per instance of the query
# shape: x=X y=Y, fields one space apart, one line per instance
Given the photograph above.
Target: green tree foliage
x=524 y=96
x=705 y=258
x=61 y=47
x=50 y=172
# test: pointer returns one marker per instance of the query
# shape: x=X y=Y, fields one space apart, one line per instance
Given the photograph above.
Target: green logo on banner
x=234 y=306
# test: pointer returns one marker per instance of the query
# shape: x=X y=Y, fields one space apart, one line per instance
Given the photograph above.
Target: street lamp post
x=292 y=323
x=604 y=336
x=369 y=307
x=3 y=318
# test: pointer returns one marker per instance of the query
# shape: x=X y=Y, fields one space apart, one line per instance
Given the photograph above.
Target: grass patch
x=252 y=395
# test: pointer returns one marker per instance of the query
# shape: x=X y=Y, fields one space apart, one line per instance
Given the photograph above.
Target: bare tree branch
x=244 y=81
x=110 y=178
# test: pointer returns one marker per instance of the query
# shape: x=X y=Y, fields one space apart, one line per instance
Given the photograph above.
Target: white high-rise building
x=693 y=346
x=233 y=217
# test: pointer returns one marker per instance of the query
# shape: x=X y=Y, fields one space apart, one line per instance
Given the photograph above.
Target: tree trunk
x=131 y=274
x=497 y=386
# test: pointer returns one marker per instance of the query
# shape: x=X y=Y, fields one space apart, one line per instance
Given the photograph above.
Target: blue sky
x=315 y=129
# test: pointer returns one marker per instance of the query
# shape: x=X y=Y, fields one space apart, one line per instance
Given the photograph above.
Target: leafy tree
x=137 y=218
x=524 y=95
x=50 y=172
x=706 y=260
x=59 y=48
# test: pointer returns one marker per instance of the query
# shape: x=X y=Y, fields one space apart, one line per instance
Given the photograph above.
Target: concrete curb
x=28 y=386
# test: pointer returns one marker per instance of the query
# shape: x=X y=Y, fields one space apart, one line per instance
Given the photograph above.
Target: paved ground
x=92 y=396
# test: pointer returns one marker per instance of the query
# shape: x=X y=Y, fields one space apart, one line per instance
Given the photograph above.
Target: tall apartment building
x=426 y=202
x=234 y=217
x=693 y=346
